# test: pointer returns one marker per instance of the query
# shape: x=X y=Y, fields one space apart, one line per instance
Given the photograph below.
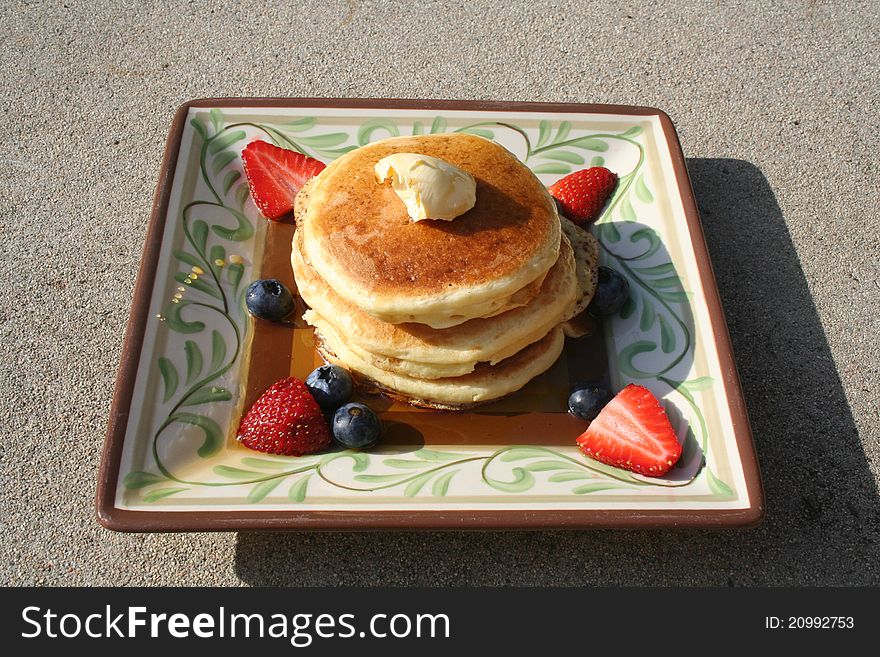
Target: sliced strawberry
x=275 y=175
x=285 y=419
x=582 y=194
x=632 y=432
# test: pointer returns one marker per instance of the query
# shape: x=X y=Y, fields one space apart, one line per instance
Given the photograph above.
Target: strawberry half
x=582 y=194
x=275 y=175
x=286 y=420
x=632 y=432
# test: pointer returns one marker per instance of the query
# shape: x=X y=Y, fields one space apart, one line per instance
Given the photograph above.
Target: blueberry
x=355 y=426
x=611 y=293
x=587 y=399
x=269 y=299
x=331 y=386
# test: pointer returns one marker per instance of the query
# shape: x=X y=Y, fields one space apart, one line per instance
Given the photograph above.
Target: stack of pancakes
x=443 y=314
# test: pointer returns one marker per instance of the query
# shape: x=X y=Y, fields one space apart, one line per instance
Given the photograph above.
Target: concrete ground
x=775 y=103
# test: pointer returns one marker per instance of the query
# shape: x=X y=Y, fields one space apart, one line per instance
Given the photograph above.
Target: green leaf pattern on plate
x=170 y=378
x=193 y=361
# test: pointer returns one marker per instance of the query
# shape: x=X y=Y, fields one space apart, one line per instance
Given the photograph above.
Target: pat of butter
x=430 y=188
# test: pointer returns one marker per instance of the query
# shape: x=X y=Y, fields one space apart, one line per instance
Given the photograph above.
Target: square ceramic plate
x=193 y=359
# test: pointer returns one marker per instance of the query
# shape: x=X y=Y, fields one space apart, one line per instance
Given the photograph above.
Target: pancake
x=586 y=255
x=358 y=236
x=398 y=366
x=301 y=201
x=486 y=383
x=490 y=339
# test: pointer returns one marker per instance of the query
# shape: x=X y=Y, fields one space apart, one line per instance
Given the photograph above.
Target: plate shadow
x=823 y=517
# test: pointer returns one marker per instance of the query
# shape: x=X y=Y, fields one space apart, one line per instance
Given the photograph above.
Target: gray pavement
x=775 y=104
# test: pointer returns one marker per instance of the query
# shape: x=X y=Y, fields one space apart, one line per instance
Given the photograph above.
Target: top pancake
x=356 y=233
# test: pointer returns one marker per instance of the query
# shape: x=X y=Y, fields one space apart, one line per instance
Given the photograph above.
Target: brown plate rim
x=112 y=517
